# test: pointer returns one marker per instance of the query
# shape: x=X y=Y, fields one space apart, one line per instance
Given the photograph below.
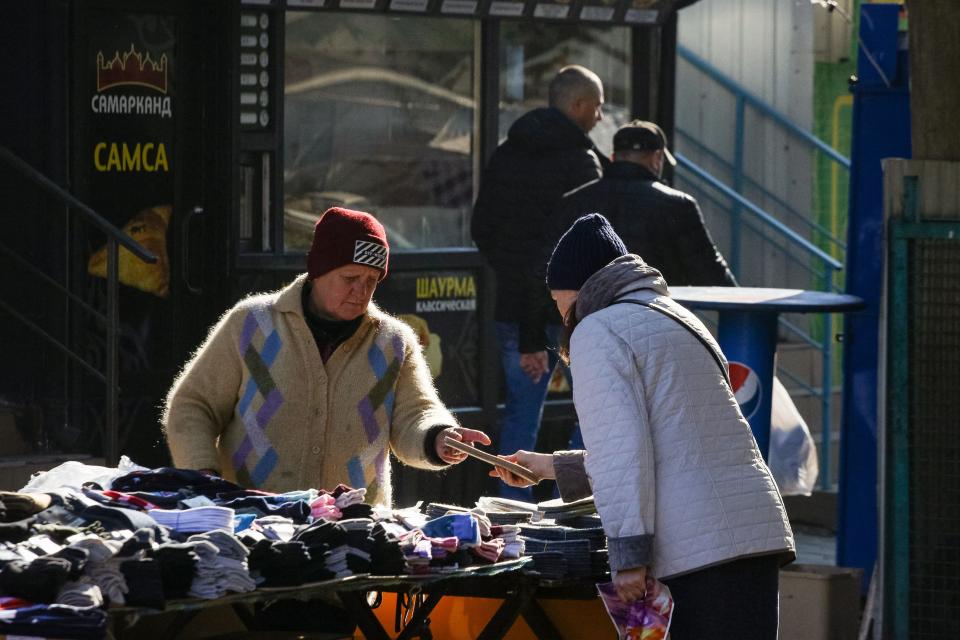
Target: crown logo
x=132 y=68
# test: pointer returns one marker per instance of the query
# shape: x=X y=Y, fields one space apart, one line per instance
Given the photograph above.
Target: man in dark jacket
x=662 y=225
x=547 y=153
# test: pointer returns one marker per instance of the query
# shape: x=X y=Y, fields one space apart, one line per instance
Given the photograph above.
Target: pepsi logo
x=746 y=388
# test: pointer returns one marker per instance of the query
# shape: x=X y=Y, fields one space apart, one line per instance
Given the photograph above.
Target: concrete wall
x=768 y=47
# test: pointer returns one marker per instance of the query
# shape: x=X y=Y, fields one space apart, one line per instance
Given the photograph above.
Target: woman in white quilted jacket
x=678 y=480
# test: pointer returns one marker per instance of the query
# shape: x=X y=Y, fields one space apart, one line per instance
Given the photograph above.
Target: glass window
x=379 y=116
x=532 y=52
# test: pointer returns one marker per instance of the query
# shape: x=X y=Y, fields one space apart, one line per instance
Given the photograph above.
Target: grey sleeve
x=631 y=552
x=572 y=479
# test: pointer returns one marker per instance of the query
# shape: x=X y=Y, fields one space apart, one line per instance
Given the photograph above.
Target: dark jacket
x=545 y=155
x=661 y=225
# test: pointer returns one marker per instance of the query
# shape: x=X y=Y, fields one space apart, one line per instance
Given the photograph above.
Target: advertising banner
x=441 y=307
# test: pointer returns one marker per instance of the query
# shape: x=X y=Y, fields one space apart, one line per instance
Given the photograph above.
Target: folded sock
x=80 y=594
x=37 y=581
x=178 y=567
x=144 y=583
x=195 y=520
x=77 y=558
x=280 y=564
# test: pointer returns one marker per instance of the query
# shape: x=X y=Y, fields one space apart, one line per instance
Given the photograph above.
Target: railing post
x=110 y=444
x=826 y=402
x=737 y=186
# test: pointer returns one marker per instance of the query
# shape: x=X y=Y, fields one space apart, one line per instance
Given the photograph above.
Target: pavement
x=815 y=545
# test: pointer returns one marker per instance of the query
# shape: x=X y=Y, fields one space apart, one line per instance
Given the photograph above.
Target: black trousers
x=739 y=600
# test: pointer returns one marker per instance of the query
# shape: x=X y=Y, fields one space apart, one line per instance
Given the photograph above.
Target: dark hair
x=570 y=323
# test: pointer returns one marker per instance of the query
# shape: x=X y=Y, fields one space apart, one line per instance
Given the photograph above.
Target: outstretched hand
x=541 y=464
x=451 y=455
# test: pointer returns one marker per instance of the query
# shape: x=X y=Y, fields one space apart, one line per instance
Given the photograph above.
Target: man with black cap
x=662 y=225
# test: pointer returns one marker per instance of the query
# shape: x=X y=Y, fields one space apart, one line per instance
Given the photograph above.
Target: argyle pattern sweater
x=257 y=402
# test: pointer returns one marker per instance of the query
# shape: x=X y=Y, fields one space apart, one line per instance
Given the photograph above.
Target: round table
x=747 y=333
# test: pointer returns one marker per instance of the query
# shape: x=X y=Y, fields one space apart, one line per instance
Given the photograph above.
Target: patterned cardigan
x=257 y=402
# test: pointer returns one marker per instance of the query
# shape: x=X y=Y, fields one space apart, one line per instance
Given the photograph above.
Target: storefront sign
x=358 y=4
x=598 y=10
x=641 y=16
x=441 y=307
x=506 y=9
x=459 y=7
x=113 y=156
x=418 y=6
x=551 y=10
x=129 y=144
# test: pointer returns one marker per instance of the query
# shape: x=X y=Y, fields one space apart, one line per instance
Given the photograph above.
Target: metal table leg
x=507 y=614
x=356 y=604
x=539 y=621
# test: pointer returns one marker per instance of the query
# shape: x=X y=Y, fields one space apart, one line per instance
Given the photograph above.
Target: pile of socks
x=359 y=544
x=325 y=507
x=102 y=568
x=576 y=554
x=195 y=520
x=178 y=567
x=326 y=542
x=278 y=564
x=513 y=545
x=386 y=557
x=37 y=581
x=80 y=594
x=221 y=566
x=298 y=511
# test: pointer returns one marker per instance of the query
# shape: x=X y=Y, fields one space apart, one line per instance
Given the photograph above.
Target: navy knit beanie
x=589 y=245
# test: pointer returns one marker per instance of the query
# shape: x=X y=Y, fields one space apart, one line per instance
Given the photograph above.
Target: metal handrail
x=759 y=231
x=769 y=220
x=760 y=105
x=810 y=224
x=65 y=197
x=115 y=239
x=10 y=253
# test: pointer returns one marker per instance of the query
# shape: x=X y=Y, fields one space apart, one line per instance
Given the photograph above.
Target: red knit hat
x=343 y=237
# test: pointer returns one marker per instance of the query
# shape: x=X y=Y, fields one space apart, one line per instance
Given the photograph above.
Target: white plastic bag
x=793 y=454
x=73 y=474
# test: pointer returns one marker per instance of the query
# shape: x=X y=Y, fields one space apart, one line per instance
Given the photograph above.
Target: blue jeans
x=524 y=406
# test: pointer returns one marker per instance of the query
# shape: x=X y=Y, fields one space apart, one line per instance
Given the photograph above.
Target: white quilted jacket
x=677 y=477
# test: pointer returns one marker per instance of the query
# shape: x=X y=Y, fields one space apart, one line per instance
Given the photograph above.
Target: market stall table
x=747 y=333
x=508 y=581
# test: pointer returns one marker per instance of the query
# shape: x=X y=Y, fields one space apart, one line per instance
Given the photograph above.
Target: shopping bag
x=646 y=619
x=793 y=454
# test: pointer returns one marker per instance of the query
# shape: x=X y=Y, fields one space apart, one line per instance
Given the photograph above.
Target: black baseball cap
x=641 y=135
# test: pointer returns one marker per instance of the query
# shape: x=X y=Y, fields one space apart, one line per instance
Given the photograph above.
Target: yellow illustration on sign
x=429 y=341
x=121 y=157
x=149 y=228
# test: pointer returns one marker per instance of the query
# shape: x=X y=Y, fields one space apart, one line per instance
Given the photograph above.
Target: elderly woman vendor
x=676 y=475
x=313 y=385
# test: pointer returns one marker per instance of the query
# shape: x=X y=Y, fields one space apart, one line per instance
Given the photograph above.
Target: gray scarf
x=625 y=274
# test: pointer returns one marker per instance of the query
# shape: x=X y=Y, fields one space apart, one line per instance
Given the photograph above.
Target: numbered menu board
x=635 y=12
x=257 y=48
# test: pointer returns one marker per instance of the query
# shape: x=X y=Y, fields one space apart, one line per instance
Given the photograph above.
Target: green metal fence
x=923 y=427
